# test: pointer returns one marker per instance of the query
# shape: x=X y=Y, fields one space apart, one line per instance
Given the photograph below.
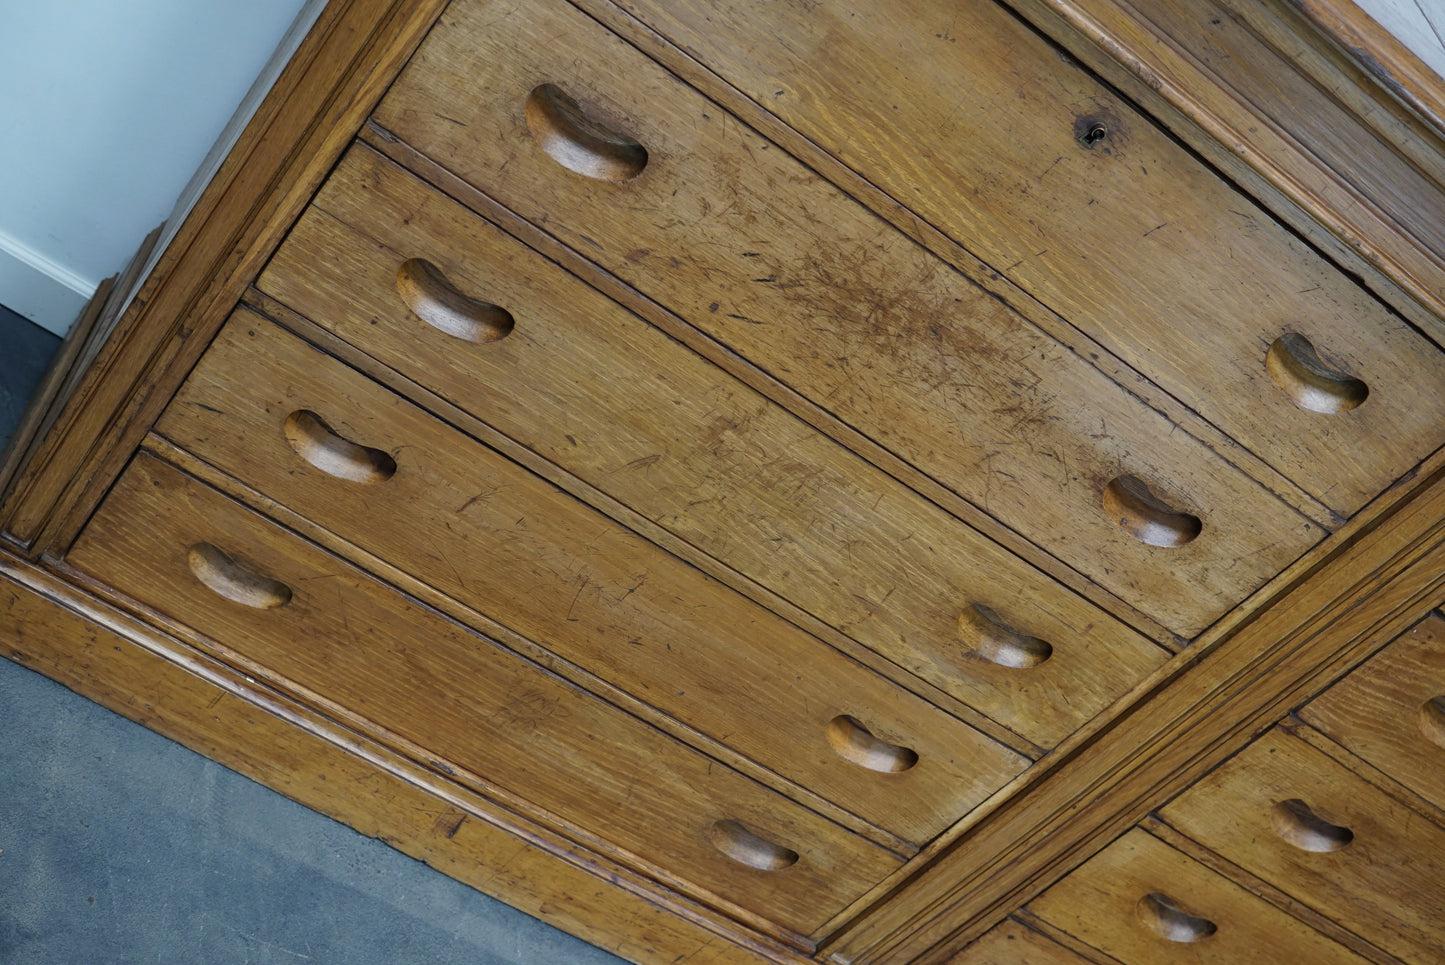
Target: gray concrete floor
x=119 y=846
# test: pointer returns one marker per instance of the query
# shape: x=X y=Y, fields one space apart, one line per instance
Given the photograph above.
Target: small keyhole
x=1094 y=134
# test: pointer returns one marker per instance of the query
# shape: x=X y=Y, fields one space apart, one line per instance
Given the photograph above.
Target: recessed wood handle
x=1298 y=824
x=1145 y=516
x=1297 y=369
x=746 y=848
x=1172 y=923
x=579 y=143
x=995 y=641
x=1432 y=720
x=856 y=743
x=225 y=577
x=435 y=300
x=318 y=444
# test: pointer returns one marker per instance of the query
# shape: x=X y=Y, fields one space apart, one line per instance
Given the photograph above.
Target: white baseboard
x=50 y=295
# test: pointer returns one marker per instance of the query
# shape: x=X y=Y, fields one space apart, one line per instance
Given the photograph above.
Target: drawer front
x=339 y=638
x=596 y=390
x=1284 y=811
x=749 y=246
x=1015 y=944
x=478 y=527
x=1146 y=903
x=1391 y=711
x=1130 y=237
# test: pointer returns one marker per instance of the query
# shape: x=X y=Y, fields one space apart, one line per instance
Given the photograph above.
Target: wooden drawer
x=340 y=639
x=1391 y=711
x=1012 y=943
x=596 y=390
x=480 y=528
x=1129 y=237
x=751 y=247
x=1145 y=903
x=1287 y=813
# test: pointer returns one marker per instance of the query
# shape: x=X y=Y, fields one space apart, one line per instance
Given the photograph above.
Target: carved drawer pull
x=996 y=641
x=1311 y=384
x=228 y=579
x=436 y=301
x=318 y=444
x=1296 y=823
x=1432 y=720
x=579 y=143
x=1171 y=923
x=1145 y=517
x=856 y=743
x=744 y=847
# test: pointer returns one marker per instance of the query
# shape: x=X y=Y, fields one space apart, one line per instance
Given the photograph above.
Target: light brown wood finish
x=153 y=680
x=341 y=69
x=1012 y=943
x=1383 y=877
x=590 y=387
x=460 y=517
x=1143 y=902
x=1128 y=237
x=755 y=250
x=344 y=642
x=1343 y=82
x=1210 y=702
x=1380 y=711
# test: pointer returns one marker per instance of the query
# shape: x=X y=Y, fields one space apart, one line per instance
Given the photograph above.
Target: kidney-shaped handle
x=856 y=743
x=1298 y=371
x=1146 y=517
x=1297 y=823
x=1170 y=922
x=225 y=577
x=317 y=443
x=431 y=297
x=988 y=636
x=746 y=848
x=577 y=142
x=1432 y=720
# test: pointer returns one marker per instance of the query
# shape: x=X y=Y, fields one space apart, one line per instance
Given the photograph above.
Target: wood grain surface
x=1130 y=237
x=156 y=681
x=1100 y=904
x=1376 y=711
x=344 y=641
x=1015 y=944
x=757 y=251
x=1383 y=878
x=483 y=530
x=594 y=389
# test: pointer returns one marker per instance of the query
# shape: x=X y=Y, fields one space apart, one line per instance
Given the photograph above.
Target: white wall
x=1420 y=24
x=106 y=108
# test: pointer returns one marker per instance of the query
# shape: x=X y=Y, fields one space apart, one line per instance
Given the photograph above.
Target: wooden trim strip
x=1218 y=698
x=49 y=396
x=1364 y=184
x=345 y=64
x=126 y=666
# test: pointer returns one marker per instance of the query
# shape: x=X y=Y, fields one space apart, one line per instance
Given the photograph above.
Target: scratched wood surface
x=1376 y=712
x=1100 y=904
x=754 y=249
x=1385 y=882
x=597 y=391
x=480 y=528
x=1013 y=943
x=158 y=682
x=346 y=641
x=1129 y=237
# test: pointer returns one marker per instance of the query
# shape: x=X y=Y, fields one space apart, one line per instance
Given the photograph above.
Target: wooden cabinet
x=791 y=481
